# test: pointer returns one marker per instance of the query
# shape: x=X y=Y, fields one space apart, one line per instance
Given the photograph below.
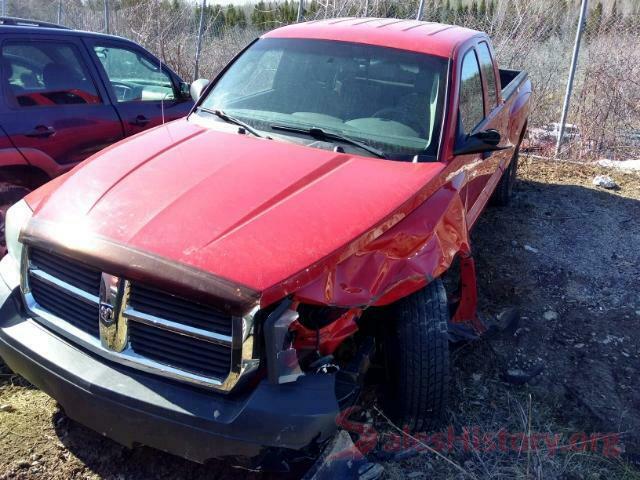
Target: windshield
x=387 y=98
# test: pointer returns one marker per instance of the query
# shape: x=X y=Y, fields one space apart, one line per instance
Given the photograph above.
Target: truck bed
x=510 y=81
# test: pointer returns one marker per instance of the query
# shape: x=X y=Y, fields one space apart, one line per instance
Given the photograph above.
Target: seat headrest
x=57 y=76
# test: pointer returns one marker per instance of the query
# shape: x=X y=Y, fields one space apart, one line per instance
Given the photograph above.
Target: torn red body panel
x=329 y=337
x=402 y=260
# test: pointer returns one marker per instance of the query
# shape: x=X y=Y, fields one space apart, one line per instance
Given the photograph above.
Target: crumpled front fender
x=399 y=262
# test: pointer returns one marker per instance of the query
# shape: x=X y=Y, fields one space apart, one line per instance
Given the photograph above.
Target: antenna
x=160 y=52
x=161 y=98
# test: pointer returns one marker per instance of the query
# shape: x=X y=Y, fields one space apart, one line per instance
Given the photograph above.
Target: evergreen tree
x=230 y=16
x=445 y=12
x=241 y=18
x=482 y=9
x=492 y=9
x=615 y=16
x=594 y=21
x=259 y=15
x=311 y=8
x=474 y=9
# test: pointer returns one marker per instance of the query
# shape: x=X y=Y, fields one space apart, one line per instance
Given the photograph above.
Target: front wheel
x=417 y=357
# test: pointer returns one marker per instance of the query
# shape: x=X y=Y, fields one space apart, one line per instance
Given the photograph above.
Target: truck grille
x=190 y=350
x=161 y=304
x=180 y=351
x=166 y=333
x=61 y=304
x=48 y=274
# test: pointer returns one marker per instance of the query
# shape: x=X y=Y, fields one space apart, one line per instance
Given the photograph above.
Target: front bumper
x=135 y=408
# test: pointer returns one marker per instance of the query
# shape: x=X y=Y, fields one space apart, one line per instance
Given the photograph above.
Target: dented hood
x=251 y=211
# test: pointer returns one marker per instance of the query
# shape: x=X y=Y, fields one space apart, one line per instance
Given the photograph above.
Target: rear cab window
x=45 y=73
x=489 y=74
x=471 y=102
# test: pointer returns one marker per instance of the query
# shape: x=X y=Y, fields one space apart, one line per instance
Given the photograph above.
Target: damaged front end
x=234 y=372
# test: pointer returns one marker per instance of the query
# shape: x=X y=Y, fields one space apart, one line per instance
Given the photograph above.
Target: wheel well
x=523 y=131
x=24 y=175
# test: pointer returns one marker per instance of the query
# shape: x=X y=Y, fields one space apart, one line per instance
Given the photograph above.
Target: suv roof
x=23 y=25
x=424 y=37
x=23 y=22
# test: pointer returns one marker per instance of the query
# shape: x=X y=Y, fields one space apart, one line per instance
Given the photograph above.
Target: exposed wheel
x=417 y=357
x=9 y=194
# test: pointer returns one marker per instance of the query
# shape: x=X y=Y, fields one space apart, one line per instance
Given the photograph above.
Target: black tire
x=504 y=191
x=418 y=359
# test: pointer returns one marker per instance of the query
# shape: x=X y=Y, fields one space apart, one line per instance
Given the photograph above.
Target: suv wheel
x=417 y=357
x=9 y=194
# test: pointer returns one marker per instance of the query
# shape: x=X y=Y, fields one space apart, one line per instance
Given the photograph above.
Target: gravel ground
x=566 y=255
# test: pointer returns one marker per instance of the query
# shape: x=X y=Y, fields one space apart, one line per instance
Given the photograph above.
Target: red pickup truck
x=218 y=286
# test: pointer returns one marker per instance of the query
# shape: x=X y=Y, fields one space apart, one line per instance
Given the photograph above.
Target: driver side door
x=144 y=91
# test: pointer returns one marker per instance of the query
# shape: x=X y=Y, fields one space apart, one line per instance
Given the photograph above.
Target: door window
x=471 y=99
x=134 y=77
x=489 y=74
x=46 y=74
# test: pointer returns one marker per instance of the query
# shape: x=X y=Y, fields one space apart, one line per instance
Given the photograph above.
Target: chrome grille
x=165 y=334
x=180 y=351
x=176 y=309
x=178 y=332
x=75 y=273
x=80 y=314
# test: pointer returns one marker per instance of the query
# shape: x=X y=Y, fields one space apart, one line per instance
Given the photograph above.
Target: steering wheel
x=123 y=91
x=394 y=113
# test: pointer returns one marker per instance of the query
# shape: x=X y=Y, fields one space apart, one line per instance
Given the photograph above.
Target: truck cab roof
x=431 y=38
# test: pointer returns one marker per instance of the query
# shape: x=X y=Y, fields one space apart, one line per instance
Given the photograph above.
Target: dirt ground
x=566 y=255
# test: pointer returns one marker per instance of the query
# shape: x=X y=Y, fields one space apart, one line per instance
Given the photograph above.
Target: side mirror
x=480 y=142
x=197 y=87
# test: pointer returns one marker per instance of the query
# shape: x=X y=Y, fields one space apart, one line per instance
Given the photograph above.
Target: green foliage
x=594 y=22
x=474 y=9
x=235 y=17
x=482 y=9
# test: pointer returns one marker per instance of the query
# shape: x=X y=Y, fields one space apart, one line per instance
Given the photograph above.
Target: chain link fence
x=536 y=36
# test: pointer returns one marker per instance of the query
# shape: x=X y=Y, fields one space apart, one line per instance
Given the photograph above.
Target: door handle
x=41 y=131
x=140 y=121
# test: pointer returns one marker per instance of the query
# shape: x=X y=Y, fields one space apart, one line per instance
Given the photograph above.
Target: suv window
x=489 y=74
x=46 y=74
x=134 y=77
x=471 y=99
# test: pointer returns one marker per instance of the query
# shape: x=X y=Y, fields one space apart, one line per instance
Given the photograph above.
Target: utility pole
x=199 y=42
x=106 y=15
x=420 y=10
x=572 y=73
x=300 y=10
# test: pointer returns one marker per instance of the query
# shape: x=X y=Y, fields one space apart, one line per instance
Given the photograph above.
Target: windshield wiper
x=320 y=134
x=236 y=121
